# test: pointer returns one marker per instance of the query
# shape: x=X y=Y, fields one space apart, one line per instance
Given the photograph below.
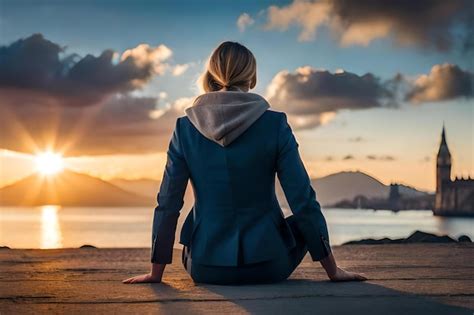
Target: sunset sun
x=49 y=163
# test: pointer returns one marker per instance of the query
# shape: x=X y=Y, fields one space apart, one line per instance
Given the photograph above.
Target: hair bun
x=231 y=65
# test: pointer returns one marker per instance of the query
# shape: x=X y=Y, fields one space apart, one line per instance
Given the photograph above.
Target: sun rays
x=49 y=163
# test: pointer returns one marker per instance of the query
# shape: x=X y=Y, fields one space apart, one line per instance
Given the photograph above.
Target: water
x=56 y=227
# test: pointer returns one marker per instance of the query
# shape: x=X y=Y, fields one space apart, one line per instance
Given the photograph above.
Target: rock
x=87 y=246
x=416 y=237
x=423 y=237
x=464 y=239
x=371 y=241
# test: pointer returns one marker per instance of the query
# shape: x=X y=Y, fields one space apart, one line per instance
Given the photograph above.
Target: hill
x=329 y=189
x=73 y=189
x=144 y=187
x=335 y=187
x=68 y=189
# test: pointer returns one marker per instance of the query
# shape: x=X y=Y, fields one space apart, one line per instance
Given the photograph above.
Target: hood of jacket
x=222 y=116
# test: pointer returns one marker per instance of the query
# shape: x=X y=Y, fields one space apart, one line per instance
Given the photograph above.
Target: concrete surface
x=404 y=279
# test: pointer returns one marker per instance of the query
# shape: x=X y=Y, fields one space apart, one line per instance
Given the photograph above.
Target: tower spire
x=443 y=146
x=443 y=135
x=443 y=170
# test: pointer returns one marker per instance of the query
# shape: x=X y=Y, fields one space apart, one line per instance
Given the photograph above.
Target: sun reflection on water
x=50 y=230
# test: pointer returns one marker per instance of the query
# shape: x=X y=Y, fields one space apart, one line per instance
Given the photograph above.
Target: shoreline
x=417 y=237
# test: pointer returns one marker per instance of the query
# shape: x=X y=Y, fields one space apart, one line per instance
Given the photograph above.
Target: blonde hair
x=230 y=65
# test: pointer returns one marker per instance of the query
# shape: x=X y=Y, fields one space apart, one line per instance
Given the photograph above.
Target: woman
x=231 y=146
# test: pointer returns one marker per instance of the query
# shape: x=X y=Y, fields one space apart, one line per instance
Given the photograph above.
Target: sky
x=367 y=85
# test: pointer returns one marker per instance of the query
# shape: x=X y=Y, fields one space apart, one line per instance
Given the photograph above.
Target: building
x=452 y=197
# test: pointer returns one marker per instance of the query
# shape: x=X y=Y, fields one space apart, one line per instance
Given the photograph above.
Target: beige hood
x=223 y=116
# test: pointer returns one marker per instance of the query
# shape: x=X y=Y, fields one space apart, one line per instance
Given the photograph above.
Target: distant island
x=399 y=198
x=357 y=190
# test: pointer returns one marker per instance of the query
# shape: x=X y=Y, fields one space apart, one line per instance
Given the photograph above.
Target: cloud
x=145 y=56
x=444 y=82
x=180 y=69
x=307 y=15
x=244 y=21
x=348 y=157
x=37 y=64
x=177 y=106
x=82 y=105
x=122 y=124
x=430 y=24
x=356 y=139
x=312 y=97
x=381 y=157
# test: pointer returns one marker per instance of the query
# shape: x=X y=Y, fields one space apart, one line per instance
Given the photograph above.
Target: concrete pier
x=404 y=279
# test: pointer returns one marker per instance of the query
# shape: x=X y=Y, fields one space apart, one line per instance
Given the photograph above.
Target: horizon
x=69 y=165
x=158 y=180
x=371 y=97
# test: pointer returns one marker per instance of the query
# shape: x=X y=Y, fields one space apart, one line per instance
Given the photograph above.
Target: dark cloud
x=313 y=97
x=430 y=24
x=444 y=82
x=348 y=157
x=37 y=64
x=82 y=106
x=427 y=23
x=356 y=139
x=387 y=158
x=308 y=94
x=380 y=157
x=312 y=91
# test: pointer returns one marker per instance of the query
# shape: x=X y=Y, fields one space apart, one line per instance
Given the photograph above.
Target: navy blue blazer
x=236 y=218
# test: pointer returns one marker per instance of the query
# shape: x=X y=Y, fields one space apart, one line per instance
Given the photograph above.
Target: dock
x=403 y=279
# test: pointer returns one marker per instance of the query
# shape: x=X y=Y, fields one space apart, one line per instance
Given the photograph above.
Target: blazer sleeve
x=300 y=195
x=170 y=201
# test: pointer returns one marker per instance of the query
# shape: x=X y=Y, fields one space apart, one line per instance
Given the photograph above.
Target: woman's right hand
x=146 y=278
x=342 y=275
x=153 y=277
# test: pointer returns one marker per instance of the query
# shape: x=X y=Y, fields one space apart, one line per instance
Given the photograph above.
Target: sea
x=71 y=227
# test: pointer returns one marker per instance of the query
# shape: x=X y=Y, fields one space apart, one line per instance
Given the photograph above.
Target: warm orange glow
x=49 y=163
x=50 y=228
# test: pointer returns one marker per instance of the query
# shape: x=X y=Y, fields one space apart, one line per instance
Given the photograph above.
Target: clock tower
x=443 y=171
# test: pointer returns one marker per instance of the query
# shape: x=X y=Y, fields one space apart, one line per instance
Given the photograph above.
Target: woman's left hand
x=147 y=278
x=343 y=275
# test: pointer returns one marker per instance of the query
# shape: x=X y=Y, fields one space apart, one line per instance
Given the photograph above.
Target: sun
x=49 y=163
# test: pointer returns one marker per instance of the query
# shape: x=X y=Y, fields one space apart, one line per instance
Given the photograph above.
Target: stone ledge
x=404 y=279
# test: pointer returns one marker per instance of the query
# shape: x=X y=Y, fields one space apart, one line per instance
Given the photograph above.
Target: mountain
x=149 y=188
x=329 y=189
x=333 y=188
x=73 y=189
x=68 y=189
x=143 y=187
x=410 y=191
